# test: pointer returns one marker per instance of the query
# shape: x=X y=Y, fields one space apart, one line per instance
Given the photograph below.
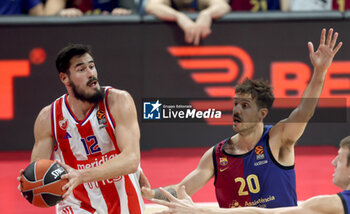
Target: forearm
x=163 y=12
x=53 y=7
x=217 y=9
x=120 y=165
x=311 y=95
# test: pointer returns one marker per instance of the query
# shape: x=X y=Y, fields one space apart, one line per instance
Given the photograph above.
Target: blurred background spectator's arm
x=53 y=7
x=215 y=8
x=162 y=10
x=285 y=5
x=37 y=10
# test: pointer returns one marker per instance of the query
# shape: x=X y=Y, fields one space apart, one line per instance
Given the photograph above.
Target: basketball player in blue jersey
x=173 y=10
x=255 y=167
x=337 y=203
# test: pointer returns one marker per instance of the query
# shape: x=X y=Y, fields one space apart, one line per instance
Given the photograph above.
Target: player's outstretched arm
x=193 y=181
x=293 y=127
x=317 y=205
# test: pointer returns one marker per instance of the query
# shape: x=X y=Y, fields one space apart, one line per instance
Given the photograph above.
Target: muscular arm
x=201 y=175
x=193 y=181
x=285 y=134
x=327 y=204
x=127 y=134
x=43 y=145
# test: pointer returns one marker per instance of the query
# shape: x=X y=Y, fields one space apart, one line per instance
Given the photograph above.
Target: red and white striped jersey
x=88 y=143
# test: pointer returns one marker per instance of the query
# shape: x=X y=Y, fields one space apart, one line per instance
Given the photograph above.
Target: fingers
x=162 y=202
x=121 y=11
x=310 y=47
x=147 y=193
x=65 y=166
x=68 y=192
x=168 y=195
x=334 y=40
x=189 y=36
x=329 y=36
x=182 y=192
x=338 y=47
x=323 y=36
x=197 y=38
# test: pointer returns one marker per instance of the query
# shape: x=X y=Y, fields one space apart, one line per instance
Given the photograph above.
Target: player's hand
x=147 y=192
x=19 y=180
x=181 y=205
x=74 y=179
x=70 y=12
x=121 y=12
x=323 y=57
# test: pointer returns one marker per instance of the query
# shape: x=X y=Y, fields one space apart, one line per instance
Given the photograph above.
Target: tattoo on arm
x=159 y=195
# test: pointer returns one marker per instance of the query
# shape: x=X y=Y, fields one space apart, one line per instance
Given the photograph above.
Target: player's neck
x=245 y=141
x=80 y=108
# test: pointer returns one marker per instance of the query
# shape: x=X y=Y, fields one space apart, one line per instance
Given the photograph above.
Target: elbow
x=134 y=162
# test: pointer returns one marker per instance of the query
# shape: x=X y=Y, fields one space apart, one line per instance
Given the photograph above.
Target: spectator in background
x=19 y=7
x=74 y=8
x=255 y=5
x=309 y=5
x=173 y=10
x=341 y=5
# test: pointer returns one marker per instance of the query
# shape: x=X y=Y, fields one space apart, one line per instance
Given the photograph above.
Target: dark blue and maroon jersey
x=345 y=198
x=254 y=178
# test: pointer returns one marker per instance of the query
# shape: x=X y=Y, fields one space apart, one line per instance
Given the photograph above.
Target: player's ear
x=64 y=78
x=263 y=113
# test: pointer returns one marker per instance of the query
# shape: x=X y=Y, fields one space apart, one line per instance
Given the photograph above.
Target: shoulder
x=43 y=120
x=117 y=97
x=45 y=113
x=120 y=102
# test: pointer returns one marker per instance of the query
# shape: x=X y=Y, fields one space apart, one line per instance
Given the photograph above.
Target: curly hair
x=259 y=89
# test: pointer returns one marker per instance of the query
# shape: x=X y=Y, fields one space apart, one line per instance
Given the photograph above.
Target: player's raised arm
x=293 y=127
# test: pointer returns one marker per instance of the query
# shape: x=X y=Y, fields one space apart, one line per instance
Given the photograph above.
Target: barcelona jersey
x=345 y=198
x=254 y=178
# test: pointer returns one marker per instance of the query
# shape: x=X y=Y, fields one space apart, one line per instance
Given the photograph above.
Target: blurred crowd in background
x=167 y=10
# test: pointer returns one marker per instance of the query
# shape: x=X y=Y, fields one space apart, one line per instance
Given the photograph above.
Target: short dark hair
x=259 y=89
x=67 y=53
x=345 y=143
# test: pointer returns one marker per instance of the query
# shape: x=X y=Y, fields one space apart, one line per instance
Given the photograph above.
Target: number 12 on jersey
x=251 y=179
x=90 y=145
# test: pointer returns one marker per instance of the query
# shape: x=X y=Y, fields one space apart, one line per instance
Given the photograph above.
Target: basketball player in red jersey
x=94 y=133
x=255 y=167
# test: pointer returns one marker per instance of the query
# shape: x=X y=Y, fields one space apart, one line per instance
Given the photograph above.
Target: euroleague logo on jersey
x=101 y=116
x=259 y=151
x=218 y=68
